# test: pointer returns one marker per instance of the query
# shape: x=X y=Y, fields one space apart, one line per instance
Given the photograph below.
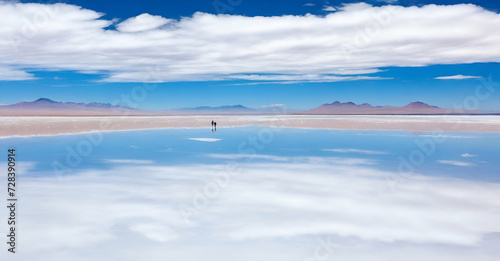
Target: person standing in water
x=215 y=125
x=212 y=124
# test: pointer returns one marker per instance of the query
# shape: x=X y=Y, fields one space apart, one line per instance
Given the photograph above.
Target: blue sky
x=61 y=76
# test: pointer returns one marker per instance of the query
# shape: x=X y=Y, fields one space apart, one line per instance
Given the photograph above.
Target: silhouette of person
x=212 y=124
x=215 y=125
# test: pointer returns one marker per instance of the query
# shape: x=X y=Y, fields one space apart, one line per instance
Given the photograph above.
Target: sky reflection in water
x=143 y=194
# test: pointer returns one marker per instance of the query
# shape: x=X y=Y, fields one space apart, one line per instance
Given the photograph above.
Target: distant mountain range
x=414 y=108
x=48 y=107
x=48 y=103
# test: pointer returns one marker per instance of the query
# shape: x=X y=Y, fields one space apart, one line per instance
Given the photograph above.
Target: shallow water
x=253 y=193
x=474 y=154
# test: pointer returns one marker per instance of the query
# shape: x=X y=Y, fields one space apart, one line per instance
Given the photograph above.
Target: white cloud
x=10 y=74
x=141 y=23
x=204 y=46
x=456 y=163
x=370 y=152
x=457 y=77
x=355 y=6
x=129 y=161
x=205 y=139
x=263 y=214
x=468 y=155
x=309 y=4
x=22 y=167
x=388 y=1
x=328 y=8
x=298 y=78
x=248 y=157
x=315 y=160
x=154 y=231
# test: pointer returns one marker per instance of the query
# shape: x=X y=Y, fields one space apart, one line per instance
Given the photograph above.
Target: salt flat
x=36 y=126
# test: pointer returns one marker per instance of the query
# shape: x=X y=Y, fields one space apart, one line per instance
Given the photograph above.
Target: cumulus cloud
x=143 y=22
x=458 y=77
x=328 y=8
x=355 y=40
x=266 y=210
